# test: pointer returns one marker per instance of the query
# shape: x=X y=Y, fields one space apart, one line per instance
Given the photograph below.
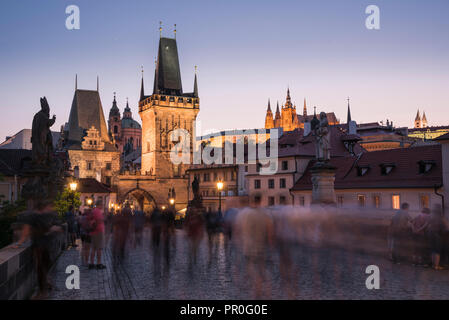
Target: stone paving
x=318 y=274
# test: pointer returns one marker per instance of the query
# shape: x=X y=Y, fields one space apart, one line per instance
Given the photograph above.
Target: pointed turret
x=114 y=109
x=288 y=100
x=418 y=120
x=304 y=111
x=277 y=117
x=127 y=112
x=195 y=85
x=142 y=90
x=269 y=122
x=349 y=114
x=424 y=120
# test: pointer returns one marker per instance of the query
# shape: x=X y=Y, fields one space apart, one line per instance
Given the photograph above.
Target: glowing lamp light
x=172 y=201
x=89 y=202
x=220 y=185
x=163 y=207
x=73 y=186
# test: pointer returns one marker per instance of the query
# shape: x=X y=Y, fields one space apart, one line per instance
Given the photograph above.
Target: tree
x=65 y=199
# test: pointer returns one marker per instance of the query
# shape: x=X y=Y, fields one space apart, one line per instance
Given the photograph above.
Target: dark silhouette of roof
x=90 y=185
x=86 y=112
x=406 y=170
x=167 y=78
x=13 y=161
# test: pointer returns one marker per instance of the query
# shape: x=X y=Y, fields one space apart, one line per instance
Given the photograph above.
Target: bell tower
x=166 y=110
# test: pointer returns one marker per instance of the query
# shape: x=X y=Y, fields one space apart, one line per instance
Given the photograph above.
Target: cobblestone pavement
x=318 y=274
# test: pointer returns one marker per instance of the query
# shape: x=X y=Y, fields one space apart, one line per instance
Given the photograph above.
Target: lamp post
x=72 y=185
x=220 y=185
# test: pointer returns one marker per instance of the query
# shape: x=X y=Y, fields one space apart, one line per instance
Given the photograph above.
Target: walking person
x=194 y=226
x=71 y=226
x=399 y=232
x=437 y=226
x=97 y=236
x=419 y=228
x=40 y=225
x=85 y=230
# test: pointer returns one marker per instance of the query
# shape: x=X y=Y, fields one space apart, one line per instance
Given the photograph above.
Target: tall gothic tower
x=269 y=122
x=289 y=117
x=417 y=120
x=424 y=120
x=167 y=109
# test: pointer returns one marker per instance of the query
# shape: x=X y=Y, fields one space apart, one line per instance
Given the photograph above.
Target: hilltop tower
x=418 y=120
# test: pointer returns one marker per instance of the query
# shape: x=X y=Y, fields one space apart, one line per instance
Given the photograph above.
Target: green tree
x=65 y=199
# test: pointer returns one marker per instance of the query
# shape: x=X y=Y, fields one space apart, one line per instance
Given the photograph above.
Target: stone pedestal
x=323 y=177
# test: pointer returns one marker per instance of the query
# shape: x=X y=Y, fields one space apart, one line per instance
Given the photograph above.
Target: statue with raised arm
x=41 y=138
x=322 y=134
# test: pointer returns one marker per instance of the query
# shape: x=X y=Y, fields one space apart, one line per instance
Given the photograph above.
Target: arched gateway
x=140 y=199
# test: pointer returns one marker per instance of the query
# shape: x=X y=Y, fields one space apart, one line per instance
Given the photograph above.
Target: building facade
x=91 y=151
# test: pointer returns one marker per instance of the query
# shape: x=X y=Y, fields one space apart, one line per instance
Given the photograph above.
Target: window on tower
x=115 y=129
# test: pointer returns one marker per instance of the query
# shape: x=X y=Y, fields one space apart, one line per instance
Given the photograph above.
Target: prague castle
x=288 y=119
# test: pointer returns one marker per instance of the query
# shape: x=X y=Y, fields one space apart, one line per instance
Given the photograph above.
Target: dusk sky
x=246 y=52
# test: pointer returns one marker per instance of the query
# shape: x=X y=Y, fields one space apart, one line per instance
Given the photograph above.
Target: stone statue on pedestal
x=322 y=136
x=41 y=138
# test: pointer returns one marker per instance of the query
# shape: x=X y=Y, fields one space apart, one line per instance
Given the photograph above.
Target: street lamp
x=73 y=185
x=220 y=185
x=172 y=201
x=89 y=202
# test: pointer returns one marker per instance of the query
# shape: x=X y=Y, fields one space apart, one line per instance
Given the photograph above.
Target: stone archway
x=140 y=198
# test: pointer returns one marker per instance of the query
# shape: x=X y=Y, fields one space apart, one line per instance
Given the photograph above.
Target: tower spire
x=175 y=31
x=349 y=113
x=304 y=111
x=76 y=82
x=98 y=83
x=160 y=29
x=269 y=105
x=142 y=91
x=195 y=84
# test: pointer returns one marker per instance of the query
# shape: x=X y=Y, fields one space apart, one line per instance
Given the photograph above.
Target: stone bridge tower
x=167 y=109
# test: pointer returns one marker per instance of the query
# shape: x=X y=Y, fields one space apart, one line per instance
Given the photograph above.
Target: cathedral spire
x=417 y=120
x=288 y=102
x=349 y=113
x=269 y=106
x=98 y=83
x=304 y=111
x=76 y=82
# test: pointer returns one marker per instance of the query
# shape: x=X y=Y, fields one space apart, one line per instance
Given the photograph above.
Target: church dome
x=130 y=123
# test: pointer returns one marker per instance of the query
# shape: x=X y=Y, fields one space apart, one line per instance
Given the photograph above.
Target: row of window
x=90 y=165
x=284 y=166
x=271 y=183
x=272 y=200
x=225 y=176
x=215 y=193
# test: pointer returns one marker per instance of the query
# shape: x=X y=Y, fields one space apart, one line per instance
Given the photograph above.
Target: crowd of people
x=255 y=232
x=423 y=239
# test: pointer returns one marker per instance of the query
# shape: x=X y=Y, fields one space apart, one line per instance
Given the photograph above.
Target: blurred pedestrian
x=419 y=228
x=139 y=222
x=71 y=226
x=437 y=226
x=194 y=226
x=399 y=232
x=85 y=230
x=97 y=236
x=40 y=225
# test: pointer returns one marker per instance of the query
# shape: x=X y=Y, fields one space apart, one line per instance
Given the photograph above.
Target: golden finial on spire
x=141 y=68
x=196 y=69
x=175 y=30
x=160 y=29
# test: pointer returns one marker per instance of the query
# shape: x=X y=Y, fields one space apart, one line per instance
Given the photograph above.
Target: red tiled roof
x=405 y=174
